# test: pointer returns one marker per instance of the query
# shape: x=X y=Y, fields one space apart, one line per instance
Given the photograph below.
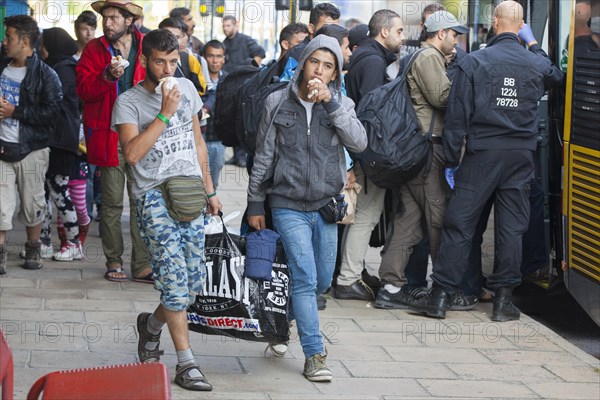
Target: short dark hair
x=381 y=19
x=334 y=31
x=291 y=29
x=213 y=44
x=323 y=10
x=161 y=40
x=179 y=12
x=171 y=22
x=430 y=9
x=25 y=26
x=87 y=17
x=229 y=18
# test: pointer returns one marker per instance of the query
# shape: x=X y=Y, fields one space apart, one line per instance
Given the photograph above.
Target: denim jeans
x=216 y=159
x=310 y=245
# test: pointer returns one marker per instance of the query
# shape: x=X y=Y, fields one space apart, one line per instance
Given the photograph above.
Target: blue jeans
x=310 y=245
x=216 y=159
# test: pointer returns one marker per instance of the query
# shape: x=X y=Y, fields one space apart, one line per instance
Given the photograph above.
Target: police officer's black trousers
x=505 y=174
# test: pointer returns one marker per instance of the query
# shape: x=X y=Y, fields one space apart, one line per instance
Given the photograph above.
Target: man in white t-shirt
x=160 y=137
x=31 y=93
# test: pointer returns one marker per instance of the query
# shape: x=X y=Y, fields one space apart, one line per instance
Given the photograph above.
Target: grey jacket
x=300 y=166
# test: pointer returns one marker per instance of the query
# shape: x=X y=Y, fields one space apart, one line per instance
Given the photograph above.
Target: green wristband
x=213 y=194
x=163 y=118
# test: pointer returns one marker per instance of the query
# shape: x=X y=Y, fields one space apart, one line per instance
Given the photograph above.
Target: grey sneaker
x=185 y=378
x=278 y=349
x=3 y=259
x=33 y=258
x=144 y=354
x=316 y=370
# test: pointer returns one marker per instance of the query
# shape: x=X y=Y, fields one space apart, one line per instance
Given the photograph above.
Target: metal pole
x=293 y=11
x=212 y=19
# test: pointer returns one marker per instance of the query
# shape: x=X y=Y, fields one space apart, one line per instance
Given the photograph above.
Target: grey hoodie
x=300 y=166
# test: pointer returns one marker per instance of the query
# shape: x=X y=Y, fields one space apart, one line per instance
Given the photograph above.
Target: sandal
x=115 y=271
x=183 y=378
x=145 y=279
x=144 y=354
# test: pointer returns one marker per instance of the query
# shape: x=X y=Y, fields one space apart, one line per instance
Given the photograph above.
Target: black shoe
x=461 y=302
x=3 y=259
x=434 y=304
x=372 y=281
x=504 y=310
x=231 y=161
x=321 y=302
x=357 y=291
x=399 y=301
x=241 y=163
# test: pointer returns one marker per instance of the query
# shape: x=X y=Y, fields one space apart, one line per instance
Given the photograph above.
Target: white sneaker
x=278 y=349
x=69 y=252
x=45 y=252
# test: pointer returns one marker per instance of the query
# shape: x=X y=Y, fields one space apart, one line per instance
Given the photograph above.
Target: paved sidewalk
x=67 y=316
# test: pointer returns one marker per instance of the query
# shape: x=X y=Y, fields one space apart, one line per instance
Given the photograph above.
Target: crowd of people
x=80 y=119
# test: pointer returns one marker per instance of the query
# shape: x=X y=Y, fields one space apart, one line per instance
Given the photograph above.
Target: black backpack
x=396 y=150
x=227 y=114
x=251 y=102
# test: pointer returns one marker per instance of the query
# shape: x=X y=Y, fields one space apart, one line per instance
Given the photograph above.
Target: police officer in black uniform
x=494 y=103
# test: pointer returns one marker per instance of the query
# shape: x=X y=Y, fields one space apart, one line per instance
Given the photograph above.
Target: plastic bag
x=239 y=307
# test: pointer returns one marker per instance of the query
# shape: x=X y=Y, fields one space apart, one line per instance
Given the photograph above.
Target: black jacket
x=240 y=51
x=40 y=95
x=494 y=98
x=367 y=70
x=209 y=100
x=66 y=134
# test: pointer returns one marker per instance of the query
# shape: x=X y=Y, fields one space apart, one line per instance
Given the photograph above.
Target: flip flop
x=145 y=279
x=114 y=271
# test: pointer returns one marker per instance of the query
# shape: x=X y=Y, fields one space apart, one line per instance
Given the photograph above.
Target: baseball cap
x=444 y=20
x=358 y=34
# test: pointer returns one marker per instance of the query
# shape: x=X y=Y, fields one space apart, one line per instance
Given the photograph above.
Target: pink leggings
x=77 y=189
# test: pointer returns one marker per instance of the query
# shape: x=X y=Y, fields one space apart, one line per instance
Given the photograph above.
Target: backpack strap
x=185 y=64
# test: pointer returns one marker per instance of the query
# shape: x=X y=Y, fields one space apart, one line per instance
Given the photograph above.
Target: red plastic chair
x=130 y=381
x=6 y=368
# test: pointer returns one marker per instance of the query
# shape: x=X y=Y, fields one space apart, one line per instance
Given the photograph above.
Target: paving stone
x=120 y=317
x=79 y=284
x=363 y=352
x=576 y=374
x=41 y=293
x=381 y=338
x=99 y=294
x=445 y=388
x=13 y=314
x=339 y=324
x=372 y=386
x=557 y=390
x=20 y=358
x=47 y=273
x=8 y=281
x=449 y=339
x=89 y=305
x=74 y=360
x=24 y=378
x=21 y=302
x=522 y=373
x=377 y=369
x=429 y=354
x=527 y=357
x=359 y=313
x=410 y=326
x=285 y=368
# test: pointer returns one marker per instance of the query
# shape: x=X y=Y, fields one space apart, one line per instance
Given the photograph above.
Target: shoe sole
x=497 y=318
x=325 y=378
x=32 y=267
x=462 y=308
x=390 y=305
x=351 y=297
x=440 y=314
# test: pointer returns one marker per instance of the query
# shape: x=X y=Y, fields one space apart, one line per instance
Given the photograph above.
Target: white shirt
x=10 y=86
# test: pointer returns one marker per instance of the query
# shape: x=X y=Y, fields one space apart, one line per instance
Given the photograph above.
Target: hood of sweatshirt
x=322 y=42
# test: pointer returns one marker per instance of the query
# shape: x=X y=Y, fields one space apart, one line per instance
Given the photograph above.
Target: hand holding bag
x=351 y=197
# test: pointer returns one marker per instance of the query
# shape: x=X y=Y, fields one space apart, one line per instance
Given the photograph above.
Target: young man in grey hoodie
x=300 y=164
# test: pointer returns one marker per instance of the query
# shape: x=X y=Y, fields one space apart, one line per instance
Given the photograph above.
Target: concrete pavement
x=67 y=316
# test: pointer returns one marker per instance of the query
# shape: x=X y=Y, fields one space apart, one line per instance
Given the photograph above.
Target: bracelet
x=213 y=194
x=163 y=118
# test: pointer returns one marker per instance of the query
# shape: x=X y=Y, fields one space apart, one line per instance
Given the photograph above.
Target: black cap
x=358 y=34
